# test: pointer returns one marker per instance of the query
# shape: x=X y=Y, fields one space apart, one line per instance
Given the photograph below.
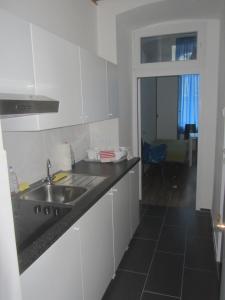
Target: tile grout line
x=154 y=253
x=172 y=253
x=131 y=271
x=185 y=250
x=168 y=296
x=144 y=239
x=200 y=270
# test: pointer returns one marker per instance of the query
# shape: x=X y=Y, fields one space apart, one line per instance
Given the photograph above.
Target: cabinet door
x=57 y=75
x=97 y=248
x=134 y=199
x=113 y=92
x=16 y=64
x=121 y=220
x=56 y=275
x=94 y=87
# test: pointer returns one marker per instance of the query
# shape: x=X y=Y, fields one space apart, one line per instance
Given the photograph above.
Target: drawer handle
x=76 y=228
x=114 y=190
x=132 y=172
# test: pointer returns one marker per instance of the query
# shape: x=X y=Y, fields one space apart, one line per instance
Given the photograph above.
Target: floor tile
x=150 y=296
x=172 y=239
x=200 y=254
x=178 y=217
x=149 y=228
x=155 y=211
x=200 y=225
x=199 y=285
x=166 y=274
x=126 y=286
x=139 y=256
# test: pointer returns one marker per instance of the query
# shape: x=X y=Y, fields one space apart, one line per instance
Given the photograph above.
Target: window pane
x=171 y=47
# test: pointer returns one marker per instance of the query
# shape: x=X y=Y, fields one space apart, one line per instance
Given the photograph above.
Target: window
x=188 y=104
x=173 y=47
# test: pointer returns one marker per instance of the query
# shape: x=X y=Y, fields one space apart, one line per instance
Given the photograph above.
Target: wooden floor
x=177 y=188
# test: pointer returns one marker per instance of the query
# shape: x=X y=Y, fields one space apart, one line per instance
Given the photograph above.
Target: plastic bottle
x=13 y=181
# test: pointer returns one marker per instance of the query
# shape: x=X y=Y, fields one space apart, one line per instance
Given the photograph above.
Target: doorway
x=169 y=139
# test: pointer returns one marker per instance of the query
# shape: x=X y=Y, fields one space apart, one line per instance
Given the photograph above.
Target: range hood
x=18 y=104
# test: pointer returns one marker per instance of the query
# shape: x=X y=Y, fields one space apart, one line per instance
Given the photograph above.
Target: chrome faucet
x=49 y=178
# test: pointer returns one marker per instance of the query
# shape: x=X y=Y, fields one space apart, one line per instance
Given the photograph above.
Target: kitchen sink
x=54 y=194
x=67 y=191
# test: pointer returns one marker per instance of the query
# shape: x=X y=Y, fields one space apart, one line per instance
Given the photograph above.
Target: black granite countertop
x=34 y=235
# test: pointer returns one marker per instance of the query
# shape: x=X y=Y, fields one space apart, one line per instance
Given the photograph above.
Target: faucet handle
x=49 y=178
x=49 y=165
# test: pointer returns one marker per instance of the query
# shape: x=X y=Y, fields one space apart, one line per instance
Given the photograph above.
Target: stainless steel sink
x=67 y=191
x=54 y=194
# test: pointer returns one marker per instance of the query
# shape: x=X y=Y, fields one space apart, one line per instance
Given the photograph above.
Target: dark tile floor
x=170 y=257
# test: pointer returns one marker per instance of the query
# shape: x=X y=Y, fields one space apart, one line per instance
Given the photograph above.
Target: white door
x=94 y=87
x=9 y=273
x=57 y=75
x=121 y=218
x=96 y=234
x=134 y=199
x=167 y=107
x=56 y=275
x=113 y=90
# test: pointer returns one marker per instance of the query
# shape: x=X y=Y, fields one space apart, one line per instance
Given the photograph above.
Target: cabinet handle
x=76 y=228
x=132 y=172
x=110 y=115
x=110 y=193
x=114 y=190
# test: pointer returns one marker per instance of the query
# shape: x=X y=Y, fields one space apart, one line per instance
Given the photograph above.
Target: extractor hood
x=18 y=104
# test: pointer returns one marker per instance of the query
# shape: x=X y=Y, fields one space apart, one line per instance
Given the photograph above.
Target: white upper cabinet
x=35 y=61
x=57 y=75
x=16 y=64
x=113 y=91
x=94 y=87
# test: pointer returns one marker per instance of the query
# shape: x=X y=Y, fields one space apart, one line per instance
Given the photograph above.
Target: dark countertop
x=35 y=234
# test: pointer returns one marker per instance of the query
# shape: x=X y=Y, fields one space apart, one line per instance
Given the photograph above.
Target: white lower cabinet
x=96 y=234
x=121 y=220
x=81 y=264
x=134 y=199
x=56 y=275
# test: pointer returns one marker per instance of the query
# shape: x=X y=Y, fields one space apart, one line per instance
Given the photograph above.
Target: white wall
x=167 y=107
x=9 y=271
x=107 y=13
x=28 y=152
x=207 y=67
x=104 y=134
x=74 y=20
x=218 y=193
x=140 y=13
x=148 y=109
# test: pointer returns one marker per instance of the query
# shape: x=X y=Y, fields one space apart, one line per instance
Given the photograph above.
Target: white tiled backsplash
x=27 y=152
x=105 y=134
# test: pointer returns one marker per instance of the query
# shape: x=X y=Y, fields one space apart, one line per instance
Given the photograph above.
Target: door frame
x=136 y=111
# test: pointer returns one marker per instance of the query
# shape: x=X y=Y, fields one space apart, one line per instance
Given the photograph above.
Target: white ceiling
x=166 y=10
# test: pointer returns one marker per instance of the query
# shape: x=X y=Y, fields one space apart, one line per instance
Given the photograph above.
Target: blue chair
x=154 y=155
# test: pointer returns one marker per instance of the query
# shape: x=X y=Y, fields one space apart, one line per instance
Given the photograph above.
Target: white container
x=63 y=157
x=13 y=181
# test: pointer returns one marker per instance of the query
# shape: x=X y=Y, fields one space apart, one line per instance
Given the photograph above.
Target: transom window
x=172 y=47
